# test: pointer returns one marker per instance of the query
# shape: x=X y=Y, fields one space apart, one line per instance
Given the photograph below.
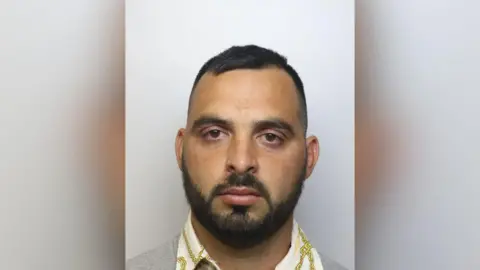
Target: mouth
x=240 y=196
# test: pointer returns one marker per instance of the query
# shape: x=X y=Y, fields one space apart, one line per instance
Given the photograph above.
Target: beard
x=237 y=228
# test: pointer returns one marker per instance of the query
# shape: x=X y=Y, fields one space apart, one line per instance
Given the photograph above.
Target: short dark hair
x=253 y=57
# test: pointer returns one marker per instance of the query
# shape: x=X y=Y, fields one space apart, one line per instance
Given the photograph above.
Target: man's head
x=243 y=154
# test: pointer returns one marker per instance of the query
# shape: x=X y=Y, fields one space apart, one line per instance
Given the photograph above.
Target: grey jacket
x=165 y=258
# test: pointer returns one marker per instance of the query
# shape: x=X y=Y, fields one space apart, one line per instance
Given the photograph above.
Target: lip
x=240 y=196
x=241 y=191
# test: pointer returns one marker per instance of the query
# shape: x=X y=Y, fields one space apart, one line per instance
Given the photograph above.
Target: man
x=244 y=156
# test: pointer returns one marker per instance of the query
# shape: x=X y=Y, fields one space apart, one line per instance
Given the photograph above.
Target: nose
x=241 y=156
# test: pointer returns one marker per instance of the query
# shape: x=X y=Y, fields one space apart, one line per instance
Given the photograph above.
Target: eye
x=212 y=134
x=272 y=139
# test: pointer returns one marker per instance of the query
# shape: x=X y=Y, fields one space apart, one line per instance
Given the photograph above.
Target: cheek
x=280 y=176
x=206 y=169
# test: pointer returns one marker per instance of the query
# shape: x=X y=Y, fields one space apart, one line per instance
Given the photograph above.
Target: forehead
x=247 y=93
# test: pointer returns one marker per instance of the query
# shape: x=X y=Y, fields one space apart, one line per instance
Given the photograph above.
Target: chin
x=241 y=215
x=255 y=211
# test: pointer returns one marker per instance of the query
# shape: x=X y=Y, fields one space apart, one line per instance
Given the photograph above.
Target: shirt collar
x=191 y=251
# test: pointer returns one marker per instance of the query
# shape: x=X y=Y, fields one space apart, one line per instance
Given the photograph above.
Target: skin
x=241 y=110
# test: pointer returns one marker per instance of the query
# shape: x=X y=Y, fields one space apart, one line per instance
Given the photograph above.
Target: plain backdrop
x=166 y=44
x=59 y=64
x=420 y=60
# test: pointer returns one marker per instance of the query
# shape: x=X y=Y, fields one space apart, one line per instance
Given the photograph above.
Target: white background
x=60 y=62
x=420 y=59
x=167 y=42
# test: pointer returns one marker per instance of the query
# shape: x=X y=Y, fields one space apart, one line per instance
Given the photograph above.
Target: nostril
x=231 y=169
x=252 y=169
x=240 y=169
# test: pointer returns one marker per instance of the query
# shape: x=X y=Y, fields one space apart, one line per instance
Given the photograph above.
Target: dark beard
x=237 y=229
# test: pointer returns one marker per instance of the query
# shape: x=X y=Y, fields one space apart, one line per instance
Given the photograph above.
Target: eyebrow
x=211 y=120
x=273 y=123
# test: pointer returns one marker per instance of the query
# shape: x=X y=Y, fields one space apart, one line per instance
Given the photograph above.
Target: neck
x=264 y=256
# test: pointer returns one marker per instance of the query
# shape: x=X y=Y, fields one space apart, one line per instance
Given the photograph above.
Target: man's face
x=244 y=155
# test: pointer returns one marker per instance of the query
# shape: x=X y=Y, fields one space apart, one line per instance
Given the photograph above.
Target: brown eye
x=272 y=140
x=270 y=137
x=215 y=133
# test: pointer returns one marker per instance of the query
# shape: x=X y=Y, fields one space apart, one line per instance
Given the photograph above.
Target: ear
x=313 y=151
x=179 y=146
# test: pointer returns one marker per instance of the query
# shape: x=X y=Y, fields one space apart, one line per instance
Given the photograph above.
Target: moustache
x=246 y=180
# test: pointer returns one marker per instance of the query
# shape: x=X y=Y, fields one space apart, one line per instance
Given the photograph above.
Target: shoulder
x=329 y=264
x=161 y=258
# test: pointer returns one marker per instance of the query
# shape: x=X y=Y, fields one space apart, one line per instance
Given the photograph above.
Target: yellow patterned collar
x=300 y=256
